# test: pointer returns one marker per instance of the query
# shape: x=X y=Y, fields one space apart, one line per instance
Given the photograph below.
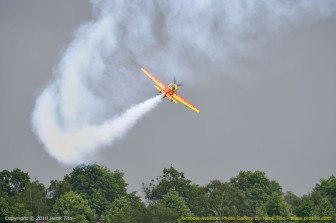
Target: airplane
x=170 y=90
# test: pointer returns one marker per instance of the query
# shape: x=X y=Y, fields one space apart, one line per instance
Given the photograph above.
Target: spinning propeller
x=177 y=84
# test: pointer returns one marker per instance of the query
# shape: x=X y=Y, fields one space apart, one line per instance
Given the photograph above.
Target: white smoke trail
x=98 y=76
x=74 y=146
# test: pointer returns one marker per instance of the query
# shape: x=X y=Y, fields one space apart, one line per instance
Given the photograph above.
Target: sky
x=263 y=80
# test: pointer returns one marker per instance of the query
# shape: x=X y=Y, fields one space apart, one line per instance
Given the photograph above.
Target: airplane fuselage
x=169 y=91
x=172 y=88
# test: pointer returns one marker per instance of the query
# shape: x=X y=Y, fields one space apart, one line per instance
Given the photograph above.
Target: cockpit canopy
x=173 y=86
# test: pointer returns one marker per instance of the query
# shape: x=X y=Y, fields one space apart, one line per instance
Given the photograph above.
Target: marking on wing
x=151 y=76
x=184 y=101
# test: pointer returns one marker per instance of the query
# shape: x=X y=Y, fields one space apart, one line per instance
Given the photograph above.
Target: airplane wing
x=157 y=81
x=185 y=102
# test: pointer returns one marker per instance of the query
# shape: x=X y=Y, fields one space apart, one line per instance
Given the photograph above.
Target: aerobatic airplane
x=170 y=90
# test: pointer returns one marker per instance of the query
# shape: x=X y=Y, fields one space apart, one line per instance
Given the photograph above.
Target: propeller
x=177 y=84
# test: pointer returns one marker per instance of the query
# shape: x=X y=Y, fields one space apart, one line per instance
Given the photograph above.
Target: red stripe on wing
x=157 y=81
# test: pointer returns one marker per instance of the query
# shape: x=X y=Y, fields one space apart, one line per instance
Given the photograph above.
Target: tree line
x=93 y=193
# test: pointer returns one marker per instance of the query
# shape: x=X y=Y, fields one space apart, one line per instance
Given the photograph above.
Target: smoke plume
x=87 y=104
x=73 y=146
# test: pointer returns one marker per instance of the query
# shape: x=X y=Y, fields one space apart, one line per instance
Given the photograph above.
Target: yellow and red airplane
x=170 y=90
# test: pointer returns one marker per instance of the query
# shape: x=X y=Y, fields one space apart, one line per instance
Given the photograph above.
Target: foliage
x=305 y=207
x=13 y=186
x=125 y=209
x=327 y=187
x=256 y=187
x=274 y=206
x=35 y=196
x=292 y=200
x=13 y=182
x=158 y=213
x=169 y=209
x=225 y=200
x=56 y=189
x=73 y=205
x=315 y=204
x=92 y=193
x=325 y=208
x=176 y=203
x=97 y=184
x=173 y=179
x=10 y=208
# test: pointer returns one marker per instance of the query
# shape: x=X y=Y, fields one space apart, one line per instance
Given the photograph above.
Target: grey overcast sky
x=273 y=110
